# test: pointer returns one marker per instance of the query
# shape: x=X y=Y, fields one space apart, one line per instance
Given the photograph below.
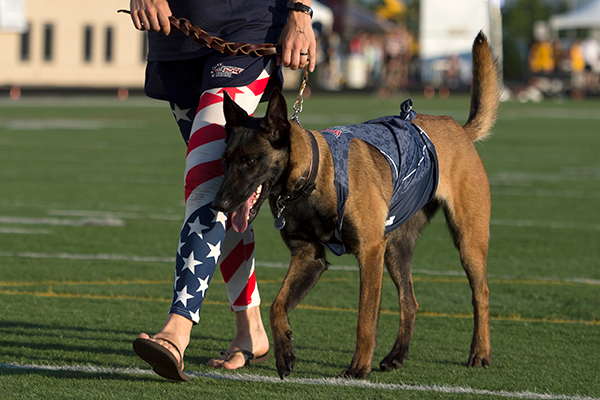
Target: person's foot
x=251 y=337
x=166 y=342
x=164 y=351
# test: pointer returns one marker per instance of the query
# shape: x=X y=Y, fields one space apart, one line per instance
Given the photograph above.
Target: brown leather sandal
x=161 y=359
x=251 y=360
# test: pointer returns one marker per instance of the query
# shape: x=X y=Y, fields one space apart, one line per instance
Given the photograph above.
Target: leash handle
x=233 y=49
x=222 y=46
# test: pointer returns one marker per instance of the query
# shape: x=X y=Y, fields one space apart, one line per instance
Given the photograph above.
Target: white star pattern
x=220 y=217
x=181 y=114
x=175 y=282
x=203 y=286
x=183 y=296
x=190 y=263
x=179 y=246
x=215 y=251
x=196 y=227
x=195 y=316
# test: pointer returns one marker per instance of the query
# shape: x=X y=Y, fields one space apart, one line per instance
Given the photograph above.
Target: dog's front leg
x=307 y=265
x=371 y=274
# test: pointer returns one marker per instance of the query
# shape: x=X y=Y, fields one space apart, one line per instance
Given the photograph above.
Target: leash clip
x=280 y=221
x=300 y=99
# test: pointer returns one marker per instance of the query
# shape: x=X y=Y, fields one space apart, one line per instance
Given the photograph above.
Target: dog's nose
x=221 y=205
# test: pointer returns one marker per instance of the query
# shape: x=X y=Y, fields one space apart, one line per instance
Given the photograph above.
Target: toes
x=228 y=361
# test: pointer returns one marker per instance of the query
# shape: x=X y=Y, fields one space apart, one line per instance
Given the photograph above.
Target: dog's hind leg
x=307 y=264
x=398 y=259
x=468 y=218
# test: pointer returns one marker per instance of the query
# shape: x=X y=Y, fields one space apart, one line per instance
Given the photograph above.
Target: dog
x=275 y=158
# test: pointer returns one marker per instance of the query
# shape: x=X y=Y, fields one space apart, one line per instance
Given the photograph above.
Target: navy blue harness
x=411 y=156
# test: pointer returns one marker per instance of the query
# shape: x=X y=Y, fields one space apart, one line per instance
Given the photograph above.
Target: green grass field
x=91 y=203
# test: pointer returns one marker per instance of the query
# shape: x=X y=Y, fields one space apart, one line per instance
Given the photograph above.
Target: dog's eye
x=250 y=162
x=224 y=162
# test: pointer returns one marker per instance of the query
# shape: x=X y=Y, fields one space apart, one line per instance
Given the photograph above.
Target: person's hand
x=151 y=15
x=298 y=44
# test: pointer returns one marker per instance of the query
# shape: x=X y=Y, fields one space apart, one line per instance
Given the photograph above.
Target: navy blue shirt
x=412 y=159
x=247 y=21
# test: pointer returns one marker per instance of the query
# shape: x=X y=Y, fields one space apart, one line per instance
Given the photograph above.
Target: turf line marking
x=304 y=381
x=115 y=214
x=91 y=257
x=62 y=221
x=21 y=231
x=267 y=264
x=549 y=224
x=511 y=318
x=528 y=192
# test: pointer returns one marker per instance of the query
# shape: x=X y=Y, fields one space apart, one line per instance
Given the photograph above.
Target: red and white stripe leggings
x=206 y=236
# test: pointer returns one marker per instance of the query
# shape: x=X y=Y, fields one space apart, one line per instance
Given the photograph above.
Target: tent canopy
x=322 y=15
x=359 y=18
x=586 y=17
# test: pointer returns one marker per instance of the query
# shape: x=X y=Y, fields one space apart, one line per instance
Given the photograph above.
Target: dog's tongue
x=239 y=217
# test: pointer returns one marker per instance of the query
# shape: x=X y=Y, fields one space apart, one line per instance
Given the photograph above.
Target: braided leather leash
x=234 y=49
x=222 y=46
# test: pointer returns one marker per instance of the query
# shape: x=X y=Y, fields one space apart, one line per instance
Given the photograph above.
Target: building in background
x=69 y=44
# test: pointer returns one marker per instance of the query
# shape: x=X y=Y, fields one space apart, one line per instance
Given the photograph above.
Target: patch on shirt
x=337 y=131
x=225 y=71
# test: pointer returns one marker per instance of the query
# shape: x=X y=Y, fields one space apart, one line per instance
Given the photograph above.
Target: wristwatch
x=293 y=6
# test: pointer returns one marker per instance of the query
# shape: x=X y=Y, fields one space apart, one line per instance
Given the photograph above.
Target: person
x=192 y=78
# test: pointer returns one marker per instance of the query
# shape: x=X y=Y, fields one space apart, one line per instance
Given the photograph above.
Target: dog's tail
x=485 y=91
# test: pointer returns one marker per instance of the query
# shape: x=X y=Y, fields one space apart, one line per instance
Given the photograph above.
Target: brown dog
x=294 y=168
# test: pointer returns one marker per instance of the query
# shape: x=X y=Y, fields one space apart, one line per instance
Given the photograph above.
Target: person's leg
x=203 y=235
x=237 y=269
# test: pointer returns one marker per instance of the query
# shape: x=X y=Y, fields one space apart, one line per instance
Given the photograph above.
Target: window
x=88 y=36
x=26 y=44
x=48 y=42
x=108 y=54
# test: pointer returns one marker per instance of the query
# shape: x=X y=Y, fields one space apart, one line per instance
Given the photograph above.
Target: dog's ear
x=235 y=116
x=276 y=121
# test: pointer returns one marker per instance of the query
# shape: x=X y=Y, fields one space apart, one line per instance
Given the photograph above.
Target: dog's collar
x=305 y=185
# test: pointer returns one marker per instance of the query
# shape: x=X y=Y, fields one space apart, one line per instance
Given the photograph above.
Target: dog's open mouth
x=245 y=214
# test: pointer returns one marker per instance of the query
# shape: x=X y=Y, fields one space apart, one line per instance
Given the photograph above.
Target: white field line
x=305 y=381
x=68 y=124
x=62 y=221
x=554 y=113
x=90 y=257
x=24 y=231
x=267 y=264
x=528 y=192
x=115 y=214
x=110 y=218
x=545 y=224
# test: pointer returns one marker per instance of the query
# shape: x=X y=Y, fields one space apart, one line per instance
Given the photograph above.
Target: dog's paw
x=285 y=358
x=356 y=373
x=285 y=364
x=476 y=360
x=390 y=363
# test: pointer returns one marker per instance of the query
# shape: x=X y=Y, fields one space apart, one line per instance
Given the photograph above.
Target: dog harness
x=411 y=156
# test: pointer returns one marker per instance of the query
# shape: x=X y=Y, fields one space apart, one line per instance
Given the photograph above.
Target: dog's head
x=256 y=154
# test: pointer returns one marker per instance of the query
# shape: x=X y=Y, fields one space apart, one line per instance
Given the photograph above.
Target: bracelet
x=293 y=6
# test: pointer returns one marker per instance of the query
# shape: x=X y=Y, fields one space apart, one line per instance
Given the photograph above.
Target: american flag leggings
x=207 y=238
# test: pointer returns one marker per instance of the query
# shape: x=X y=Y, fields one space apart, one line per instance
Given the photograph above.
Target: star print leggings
x=207 y=238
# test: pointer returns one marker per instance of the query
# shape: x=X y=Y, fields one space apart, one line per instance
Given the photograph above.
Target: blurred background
x=547 y=48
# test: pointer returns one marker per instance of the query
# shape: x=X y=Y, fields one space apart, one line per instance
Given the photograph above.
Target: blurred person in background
x=591 y=53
